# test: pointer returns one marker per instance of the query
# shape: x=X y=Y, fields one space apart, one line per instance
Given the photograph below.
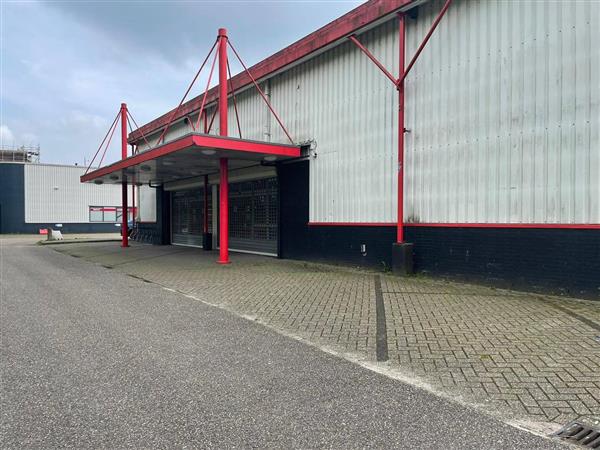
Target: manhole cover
x=581 y=434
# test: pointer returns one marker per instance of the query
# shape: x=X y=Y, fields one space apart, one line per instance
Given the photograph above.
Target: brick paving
x=531 y=357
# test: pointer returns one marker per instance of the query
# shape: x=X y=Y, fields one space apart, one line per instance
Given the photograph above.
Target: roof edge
x=341 y=27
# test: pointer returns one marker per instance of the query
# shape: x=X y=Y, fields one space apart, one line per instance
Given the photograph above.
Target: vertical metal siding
x=344 y=103
x=252 y=113
x=55 y=194
x=503 y=107
x=146 y=200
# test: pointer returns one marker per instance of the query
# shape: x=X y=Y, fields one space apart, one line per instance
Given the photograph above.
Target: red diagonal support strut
x=400 y=86
x=237 y=117
x=212 y=69
x=138 y=127
x=212 y=119
x=373 y=58
x=185 y=95
x=103 y=140
x=108 y=143
x=261 y=93
x=425 y=40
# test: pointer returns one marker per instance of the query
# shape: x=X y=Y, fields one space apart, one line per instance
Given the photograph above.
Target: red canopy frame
x=193 y=145
x=176 y=159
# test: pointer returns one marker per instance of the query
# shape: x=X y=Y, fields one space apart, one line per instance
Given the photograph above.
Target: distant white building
x=35 y=196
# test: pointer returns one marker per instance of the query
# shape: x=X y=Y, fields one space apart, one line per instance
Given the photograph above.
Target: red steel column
x=401 y=129
x=124 y=238
x=223 y=188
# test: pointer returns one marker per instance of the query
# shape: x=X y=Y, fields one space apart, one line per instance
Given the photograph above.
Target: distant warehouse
x=482 y=162
x=34 y=196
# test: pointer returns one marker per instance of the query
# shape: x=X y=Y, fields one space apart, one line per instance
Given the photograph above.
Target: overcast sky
x=67 y=65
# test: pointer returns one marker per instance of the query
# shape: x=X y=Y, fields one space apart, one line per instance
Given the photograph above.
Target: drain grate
x=581 y=434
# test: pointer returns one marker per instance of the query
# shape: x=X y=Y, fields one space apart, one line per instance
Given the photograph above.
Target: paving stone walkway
x=529 y=357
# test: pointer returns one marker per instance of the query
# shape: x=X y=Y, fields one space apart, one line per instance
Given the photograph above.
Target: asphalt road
x=94 y=358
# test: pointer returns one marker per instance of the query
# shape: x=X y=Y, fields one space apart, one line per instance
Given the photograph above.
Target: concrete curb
x=76 y=241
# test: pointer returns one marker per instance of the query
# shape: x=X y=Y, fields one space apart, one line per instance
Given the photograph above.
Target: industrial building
x=35 y=196
x=495 y=175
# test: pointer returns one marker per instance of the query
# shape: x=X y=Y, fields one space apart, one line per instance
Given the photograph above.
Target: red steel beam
x=124 y=236
x=223 y=185
x=109 y=141
x=143 y=135
x=200 y=140
x=212 y=119
x=345 y=25
x=434 y=25
x=103 y=140
x=212 y=69
x=401 y=127
x=373 y=58
x=264 y=97
x=403 y=72
x=576 y=226
x=237 y=116
x=223 y=82
x=174 y=112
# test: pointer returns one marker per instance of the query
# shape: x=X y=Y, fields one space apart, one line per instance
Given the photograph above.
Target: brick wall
x=545 y=260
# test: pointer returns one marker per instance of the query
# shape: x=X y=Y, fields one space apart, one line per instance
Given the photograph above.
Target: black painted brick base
x=544 y=260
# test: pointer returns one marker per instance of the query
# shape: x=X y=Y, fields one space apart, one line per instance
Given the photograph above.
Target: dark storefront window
x=188 y=216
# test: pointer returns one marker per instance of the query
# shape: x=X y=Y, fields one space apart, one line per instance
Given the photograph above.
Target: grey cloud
x=65 y=77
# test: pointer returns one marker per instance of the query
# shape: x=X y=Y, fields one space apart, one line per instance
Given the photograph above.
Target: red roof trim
x=351 y=224
x=582 y=226
x=206 y=141
x=349 y=23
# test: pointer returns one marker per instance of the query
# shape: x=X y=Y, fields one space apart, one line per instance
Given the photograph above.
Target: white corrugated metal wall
x=55 y=194
x=253 y=114
x=344 y=103
x=146 y=202
x=503 y=109
x=504 y=112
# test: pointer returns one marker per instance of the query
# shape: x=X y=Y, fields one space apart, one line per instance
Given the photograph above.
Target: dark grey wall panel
x=12 y=198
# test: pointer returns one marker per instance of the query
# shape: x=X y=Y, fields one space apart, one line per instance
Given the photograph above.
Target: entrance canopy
x=191 y=155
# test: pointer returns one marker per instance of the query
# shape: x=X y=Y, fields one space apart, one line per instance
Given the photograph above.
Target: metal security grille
x=253 y=216
x=187 y=216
